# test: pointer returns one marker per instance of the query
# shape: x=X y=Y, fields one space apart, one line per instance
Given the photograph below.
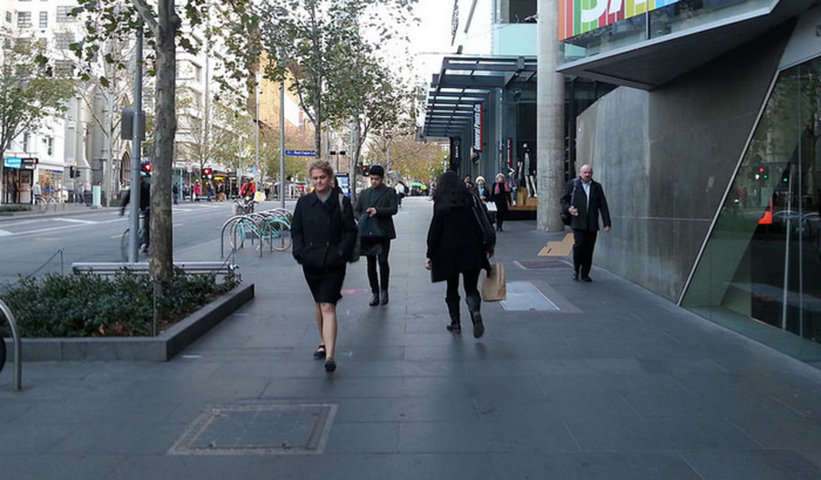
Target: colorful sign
x=477 y=127
x=579 y=16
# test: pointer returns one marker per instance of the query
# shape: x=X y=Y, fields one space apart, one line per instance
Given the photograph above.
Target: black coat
x=501 y=199
x=385 y=205
x=588 y=217
x=455 y=243
x=323 y=236
x=145 y=197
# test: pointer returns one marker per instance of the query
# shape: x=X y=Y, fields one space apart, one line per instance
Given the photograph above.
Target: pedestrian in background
x=584 y=201
x=324 y=234
x=481 y=189
x=469 y=184
x=500 y=195
x=455 y=248
x=379 y=203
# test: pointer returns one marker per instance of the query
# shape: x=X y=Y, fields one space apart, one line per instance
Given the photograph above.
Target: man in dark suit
x=584 y=200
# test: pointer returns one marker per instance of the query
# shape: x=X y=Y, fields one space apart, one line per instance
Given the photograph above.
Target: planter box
x=156 y=349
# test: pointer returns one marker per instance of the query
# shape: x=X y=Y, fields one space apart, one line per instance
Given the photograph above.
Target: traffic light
x=206 y=173
x=364 y=169
x=70 y=172
x=147 y=167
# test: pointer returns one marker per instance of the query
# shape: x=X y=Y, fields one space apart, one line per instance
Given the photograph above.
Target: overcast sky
x=431 y=39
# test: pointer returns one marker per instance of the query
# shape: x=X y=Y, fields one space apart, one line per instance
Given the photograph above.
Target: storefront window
x=762 y=262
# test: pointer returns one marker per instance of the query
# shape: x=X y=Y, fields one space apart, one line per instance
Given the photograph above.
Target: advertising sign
x=12 y=162
x=580 y=16
x=344 y=183
x=477 y=127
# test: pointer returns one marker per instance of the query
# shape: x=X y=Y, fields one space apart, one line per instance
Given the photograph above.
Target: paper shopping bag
x=494 y=290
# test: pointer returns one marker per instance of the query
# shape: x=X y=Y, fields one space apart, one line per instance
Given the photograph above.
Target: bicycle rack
x=18 y=366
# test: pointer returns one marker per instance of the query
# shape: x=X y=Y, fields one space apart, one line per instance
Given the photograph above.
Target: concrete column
x=549 y=119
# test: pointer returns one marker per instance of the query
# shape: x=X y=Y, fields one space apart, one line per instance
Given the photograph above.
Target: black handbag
x=566 y=217
x=368 y=226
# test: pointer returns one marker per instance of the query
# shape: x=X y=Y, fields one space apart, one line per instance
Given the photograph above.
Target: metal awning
x=466 y=81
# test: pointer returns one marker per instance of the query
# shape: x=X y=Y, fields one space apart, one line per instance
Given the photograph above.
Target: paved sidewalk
x=617 y=384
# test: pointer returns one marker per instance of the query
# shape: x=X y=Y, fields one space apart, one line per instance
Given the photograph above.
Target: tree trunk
x=162 y=266
x=318 y=122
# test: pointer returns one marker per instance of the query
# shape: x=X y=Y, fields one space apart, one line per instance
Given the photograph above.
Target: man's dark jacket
x=384 y=200
x=145 y=196
x=588 y=217
x=323 y=235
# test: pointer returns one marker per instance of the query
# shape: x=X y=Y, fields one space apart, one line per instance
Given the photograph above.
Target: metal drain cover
x=300 y=429
x=542 y=264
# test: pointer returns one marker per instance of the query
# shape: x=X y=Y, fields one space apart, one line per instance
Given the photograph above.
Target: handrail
x=18 y=366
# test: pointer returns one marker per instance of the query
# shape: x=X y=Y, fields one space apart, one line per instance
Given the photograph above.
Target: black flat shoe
x=384 y=296
x=330 y=365
x=587 y=279
x=575 y=276
x=454 y=328
x=478 y=326
x=374 y=300
x=319 y=353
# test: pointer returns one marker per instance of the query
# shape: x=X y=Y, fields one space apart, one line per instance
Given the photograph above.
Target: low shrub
x=92 y=306
x=15 y=208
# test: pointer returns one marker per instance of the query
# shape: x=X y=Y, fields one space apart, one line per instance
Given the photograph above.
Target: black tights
x=472 y=297
x=384 y=268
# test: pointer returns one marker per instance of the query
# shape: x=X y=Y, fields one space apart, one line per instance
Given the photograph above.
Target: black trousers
x=472 y=297
x=383 y=247
x=500 y=216
x=146 y=227
x=584 y=242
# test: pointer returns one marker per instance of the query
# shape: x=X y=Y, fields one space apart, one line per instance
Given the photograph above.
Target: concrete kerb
x=8 y=216
x=154 y=349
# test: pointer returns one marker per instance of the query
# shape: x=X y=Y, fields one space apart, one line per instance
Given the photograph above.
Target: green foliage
x=317 y=44
x=92 y=306
x=31 y=89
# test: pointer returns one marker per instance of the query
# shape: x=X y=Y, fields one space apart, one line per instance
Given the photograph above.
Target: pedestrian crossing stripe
x=4 y=233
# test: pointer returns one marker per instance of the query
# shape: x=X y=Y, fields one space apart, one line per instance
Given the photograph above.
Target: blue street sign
x=300 y=153
x=13 y=162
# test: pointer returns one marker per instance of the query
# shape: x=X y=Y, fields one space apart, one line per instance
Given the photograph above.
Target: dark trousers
x=584 y=241
x=383 y=247
x=146 y=227
x=472 y=297
x=500 y=217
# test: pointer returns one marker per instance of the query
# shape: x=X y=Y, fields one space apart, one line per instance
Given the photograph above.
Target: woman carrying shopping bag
x=324 y=234
x=459 y=244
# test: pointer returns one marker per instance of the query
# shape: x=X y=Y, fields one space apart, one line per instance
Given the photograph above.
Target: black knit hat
x=376 y=171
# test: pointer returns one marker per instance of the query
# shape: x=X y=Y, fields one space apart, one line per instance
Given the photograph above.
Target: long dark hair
x=450 y=193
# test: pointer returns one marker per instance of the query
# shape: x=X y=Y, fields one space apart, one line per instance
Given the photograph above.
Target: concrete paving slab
x=625 y=386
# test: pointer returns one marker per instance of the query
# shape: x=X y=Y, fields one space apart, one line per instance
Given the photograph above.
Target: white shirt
x=586 y=187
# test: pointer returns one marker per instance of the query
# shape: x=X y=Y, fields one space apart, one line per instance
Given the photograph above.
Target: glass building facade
x=762 y=259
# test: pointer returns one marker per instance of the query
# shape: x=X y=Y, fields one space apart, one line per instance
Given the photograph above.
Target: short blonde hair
x=323 y=165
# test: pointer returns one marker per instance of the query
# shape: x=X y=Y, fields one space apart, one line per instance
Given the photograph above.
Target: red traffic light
x=206 y=171
x=147 y=167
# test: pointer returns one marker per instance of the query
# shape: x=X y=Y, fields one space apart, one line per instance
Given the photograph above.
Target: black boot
x=374 y=299
x=474 y=303
x=383 y=295
x=453 y=309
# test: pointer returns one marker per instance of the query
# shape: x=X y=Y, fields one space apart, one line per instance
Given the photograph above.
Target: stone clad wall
x=665 y=158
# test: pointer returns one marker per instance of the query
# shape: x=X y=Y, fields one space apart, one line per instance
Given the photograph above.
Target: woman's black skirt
x=326 y=283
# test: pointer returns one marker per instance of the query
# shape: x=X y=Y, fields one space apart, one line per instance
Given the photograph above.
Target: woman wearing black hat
x=375 y=208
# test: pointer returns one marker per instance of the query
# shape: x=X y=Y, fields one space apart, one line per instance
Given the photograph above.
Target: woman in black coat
x=455 y=247
x=500 y=195
x=324 y=234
